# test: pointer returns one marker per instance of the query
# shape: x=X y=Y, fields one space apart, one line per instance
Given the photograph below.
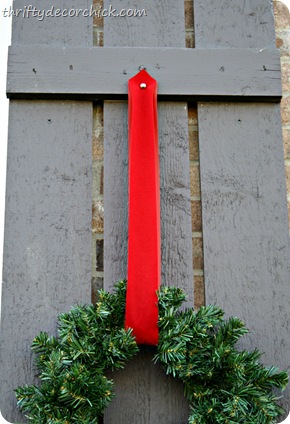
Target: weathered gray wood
x=163 y=26
x=148 y=395
x=176 y=233
x=47 y=238
x=115 y=192
x=46 y=267
x=245 y=225
x=234 y=24
x=52 y=30
x=102 y=73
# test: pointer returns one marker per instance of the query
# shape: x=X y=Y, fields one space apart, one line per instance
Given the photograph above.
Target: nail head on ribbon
x=143 y=85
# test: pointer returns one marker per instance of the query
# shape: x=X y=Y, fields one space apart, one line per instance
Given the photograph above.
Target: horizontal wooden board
x=102 y=73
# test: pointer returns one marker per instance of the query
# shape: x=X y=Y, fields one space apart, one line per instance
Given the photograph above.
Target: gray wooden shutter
x=244 y=211
x=48 y=206
x=47 y=240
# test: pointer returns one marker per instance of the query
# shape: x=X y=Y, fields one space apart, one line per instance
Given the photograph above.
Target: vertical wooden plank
x=47 y=28
x=176 y=227
x=115 y=192
x=239 y=23
x=47 y=239
x=245 y=224
x=143 y=393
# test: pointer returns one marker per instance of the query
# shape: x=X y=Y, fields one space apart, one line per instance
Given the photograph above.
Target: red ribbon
x=144 y=262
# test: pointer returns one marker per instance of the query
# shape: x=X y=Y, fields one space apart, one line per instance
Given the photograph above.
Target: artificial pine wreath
x=222 y=384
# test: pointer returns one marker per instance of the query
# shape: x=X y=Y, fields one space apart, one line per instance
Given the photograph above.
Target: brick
x=286 y=141
x=98 y=116
x=197 y=244
x=283 y=42
x=281 y=14
x=189 y=24
x=95 y=36
x=197 y=263
x=192 y=114
x=199 y=292
x=193 y=143
x=99 y=255
x=287 y=170
x=189 y=39
x=98 y=21
x=98 y=37
x=98 y=216
x=188 y=13
x=197 y=247
x=285 y=109
x=97 y=284
x=98 y=148
x=98 y=133
x=285 y=67
x=98 y=177
x=282 y=23
x=98 y=4
x=196 y=215
x=102 y=180
x=289 y=214
x=194 y=179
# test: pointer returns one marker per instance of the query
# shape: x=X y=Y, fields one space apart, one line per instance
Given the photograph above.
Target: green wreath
x=222 y=384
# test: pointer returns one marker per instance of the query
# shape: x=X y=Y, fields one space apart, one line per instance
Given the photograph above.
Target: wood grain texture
x=47 y=237
x=52 y=30
x=234 y=24
x=163 y=25
x=103 y=73
x=156 y=398
x=46 y=266
x=143 y=393
x=176 y=234
x=115 y=192
x=244 y=211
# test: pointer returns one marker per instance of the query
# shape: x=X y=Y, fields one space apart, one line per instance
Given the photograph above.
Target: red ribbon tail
x=144 y=257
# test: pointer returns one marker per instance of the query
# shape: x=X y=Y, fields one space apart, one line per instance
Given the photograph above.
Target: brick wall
x=197 y=247
x=98 y=175
x=282 y=24
x=282 y=19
